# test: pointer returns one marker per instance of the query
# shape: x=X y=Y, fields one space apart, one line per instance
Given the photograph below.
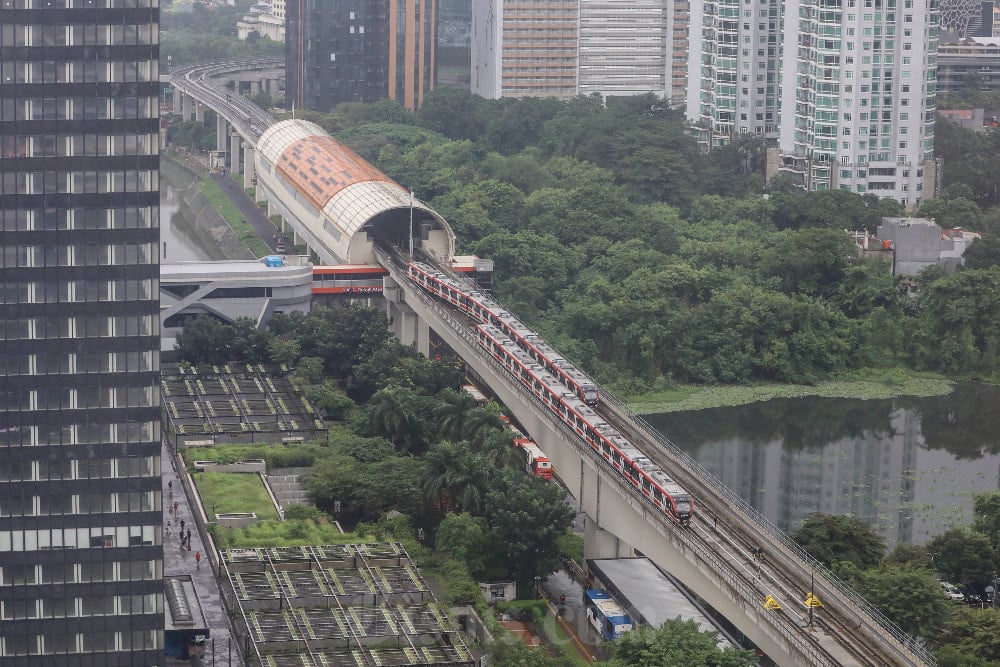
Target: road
x=253 y=214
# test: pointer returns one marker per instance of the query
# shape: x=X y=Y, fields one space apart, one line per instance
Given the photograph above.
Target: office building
x=550 y=48
x=844 y=88
x=970 y=62
x=80 y=502
x=358 y=51
x=525 y=48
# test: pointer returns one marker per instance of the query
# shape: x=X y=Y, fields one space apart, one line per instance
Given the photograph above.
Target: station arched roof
x=354 y=196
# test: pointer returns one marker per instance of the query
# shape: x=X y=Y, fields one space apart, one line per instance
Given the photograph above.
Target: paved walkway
x=177 y=562
x=253 y=214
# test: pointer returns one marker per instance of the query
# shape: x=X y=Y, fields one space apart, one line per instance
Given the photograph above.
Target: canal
x=180 y=239
x=909 y=467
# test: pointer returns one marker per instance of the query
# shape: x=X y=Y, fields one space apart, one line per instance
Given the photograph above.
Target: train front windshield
x=683 y=506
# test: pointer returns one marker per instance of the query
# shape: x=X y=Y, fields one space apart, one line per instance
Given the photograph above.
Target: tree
x=248 y=341
x=830 y=538
x=310 y=369
x=986 y=516
x=330 y=401
x=676 y=642
x=453 y=412
x=390 y=413
x=205 y=340
x=910 y=596
x=962 y=557
x=463 y=537
x=972 y=639
x=983 y=253
x=810 y=261
x=284 y=351
x=526 y=516
x=454 y=477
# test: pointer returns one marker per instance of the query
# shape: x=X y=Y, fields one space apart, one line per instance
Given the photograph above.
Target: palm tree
x=455 y=478
x=390 y=414
x=451 y=414
x=481 y=423
x=498 y=449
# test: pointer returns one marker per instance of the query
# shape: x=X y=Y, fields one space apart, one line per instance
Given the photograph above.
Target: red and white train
x=535 y=461
x=603 y=438
x=484 y=309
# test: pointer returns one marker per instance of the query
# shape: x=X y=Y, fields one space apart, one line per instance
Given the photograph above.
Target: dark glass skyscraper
x=80 y=502
x=358 y=51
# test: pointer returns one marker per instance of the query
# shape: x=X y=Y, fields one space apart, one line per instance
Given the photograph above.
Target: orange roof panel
x=320 y=167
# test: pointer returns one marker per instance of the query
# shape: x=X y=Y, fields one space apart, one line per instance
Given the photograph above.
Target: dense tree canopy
x=832 y=538
x=676 y=642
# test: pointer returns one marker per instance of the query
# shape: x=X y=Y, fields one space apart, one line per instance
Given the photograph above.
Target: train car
x=604 y=439
x=535 y=460
x=477 y=395
x=488 y=311
x=606 y=616
x=348 y=279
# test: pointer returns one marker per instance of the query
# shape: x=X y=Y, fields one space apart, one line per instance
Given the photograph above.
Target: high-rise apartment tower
x=845 y=88
x=80 y=502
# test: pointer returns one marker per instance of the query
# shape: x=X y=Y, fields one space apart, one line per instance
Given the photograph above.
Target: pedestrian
x=197 y=559
x=189 y=539
x=170 y=485
x=168 y=529
x=176 y=505
x=182 y=545
x=182 y=525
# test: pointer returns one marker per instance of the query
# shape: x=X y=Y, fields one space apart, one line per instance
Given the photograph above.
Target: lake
x=907 y=466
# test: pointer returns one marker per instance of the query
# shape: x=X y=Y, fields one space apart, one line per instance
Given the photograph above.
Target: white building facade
x=844 y=87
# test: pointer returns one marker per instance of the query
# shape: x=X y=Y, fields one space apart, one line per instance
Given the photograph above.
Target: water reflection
x=182 y=240
x=909 y=467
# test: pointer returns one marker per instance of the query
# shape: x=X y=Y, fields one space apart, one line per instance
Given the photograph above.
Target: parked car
x=280 y=248
x=953 y=591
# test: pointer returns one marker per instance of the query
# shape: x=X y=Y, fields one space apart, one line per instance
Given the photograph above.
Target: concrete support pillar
x=599 y=543
x=249 y=171
x=199 y=112
x=186 y=102
x=423 y=336
x=221 y=132
x=234 y=151
x=177 y=99
x=254 y=88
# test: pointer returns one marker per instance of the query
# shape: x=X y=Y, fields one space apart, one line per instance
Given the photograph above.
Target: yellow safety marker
x=813 y=601
x=771 y=603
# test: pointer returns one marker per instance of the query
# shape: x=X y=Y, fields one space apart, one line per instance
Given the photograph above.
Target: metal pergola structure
x=235 y=403
x=354 y=605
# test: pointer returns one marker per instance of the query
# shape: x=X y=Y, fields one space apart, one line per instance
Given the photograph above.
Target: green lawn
x=246 y=234
x=865 y=383
x=234 y=492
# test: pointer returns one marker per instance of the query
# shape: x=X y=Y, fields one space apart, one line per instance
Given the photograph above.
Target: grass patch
x=227 y=209
x=870 y=383
x=297 y=455
x=570 y=545
x=274 y=533
x=234 y=492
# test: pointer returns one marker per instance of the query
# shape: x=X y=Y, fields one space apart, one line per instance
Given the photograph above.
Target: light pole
x=411 y=224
